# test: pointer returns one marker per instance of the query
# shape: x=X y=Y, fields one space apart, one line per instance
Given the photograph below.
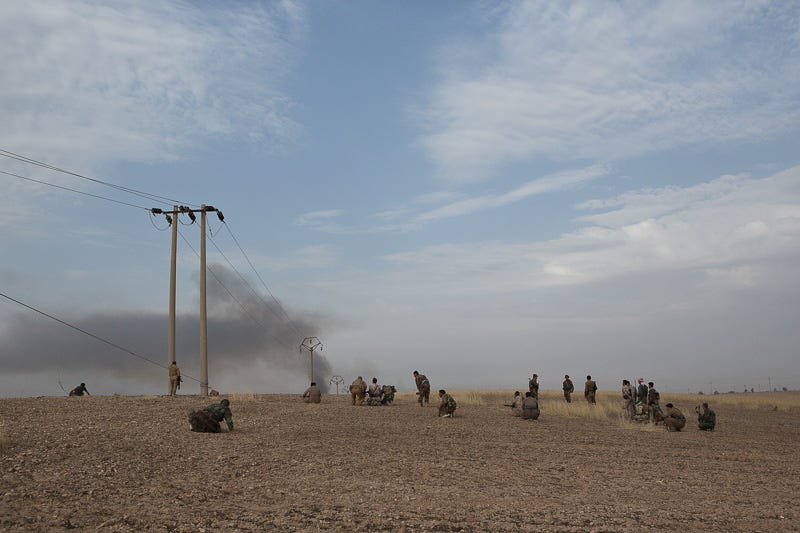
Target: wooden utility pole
x=203 y=310
x=172 y=275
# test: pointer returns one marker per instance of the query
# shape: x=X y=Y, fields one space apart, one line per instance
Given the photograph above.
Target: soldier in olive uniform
x=707 y=419
x=375 y=392
x=533 y=385
x=653 y=401
x=589 y=390
x=627 y=399
x=673 y=418
x=312 y=394
x=207 y=420
x=357 y=390
x=423 y=388
x=174 y=378
x=568 y=388
x=530 y=407
x=447 y=405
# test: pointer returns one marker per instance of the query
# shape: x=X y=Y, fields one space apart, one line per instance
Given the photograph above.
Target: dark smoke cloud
x=245 y=328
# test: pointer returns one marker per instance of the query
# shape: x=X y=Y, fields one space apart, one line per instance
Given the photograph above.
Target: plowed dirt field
x=131 y=464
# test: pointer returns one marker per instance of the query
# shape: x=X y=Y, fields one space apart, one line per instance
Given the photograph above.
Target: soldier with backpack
x=653 y=399
x=590 y=390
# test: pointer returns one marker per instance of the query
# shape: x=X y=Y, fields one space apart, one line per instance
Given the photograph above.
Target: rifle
x=180 y=380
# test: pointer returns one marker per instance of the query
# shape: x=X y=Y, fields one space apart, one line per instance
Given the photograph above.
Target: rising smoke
x=246 y=329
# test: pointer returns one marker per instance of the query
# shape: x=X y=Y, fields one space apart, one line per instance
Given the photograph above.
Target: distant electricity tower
x=337 y=379
x=311 y=344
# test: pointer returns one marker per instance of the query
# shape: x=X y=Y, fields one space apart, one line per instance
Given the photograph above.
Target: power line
x=290 y=322
x=247 y=312
x=143 y=194
x=101 y=339
x=72 y=190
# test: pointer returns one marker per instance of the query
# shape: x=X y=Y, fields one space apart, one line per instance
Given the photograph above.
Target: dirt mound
x=131 y=464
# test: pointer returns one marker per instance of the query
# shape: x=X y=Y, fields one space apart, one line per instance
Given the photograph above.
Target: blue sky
x=477 y=190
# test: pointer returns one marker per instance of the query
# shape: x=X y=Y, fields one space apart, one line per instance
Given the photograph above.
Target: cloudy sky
x=476 y=190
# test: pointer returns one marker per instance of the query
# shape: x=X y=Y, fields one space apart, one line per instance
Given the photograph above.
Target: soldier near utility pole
x=568 y=388
x=174 y=378
x=423 y=388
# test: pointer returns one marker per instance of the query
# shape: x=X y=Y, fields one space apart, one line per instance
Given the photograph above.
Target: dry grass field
x=131 y=464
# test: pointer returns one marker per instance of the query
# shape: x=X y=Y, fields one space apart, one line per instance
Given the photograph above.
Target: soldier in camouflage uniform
x=533 y=385
x=375 y=392
x=388 y=394
x=207 y=420
x=79 y=390
x=423 y=388
x=673 y=418
x=589 y=390
x=312 y=394
x=628 y=408
x=707 y=419
x=357 y=390
x=653 y=401
x=530 y=407
x=568 y=389
x=447 y=405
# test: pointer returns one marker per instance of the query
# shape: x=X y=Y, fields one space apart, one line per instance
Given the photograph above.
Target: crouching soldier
x=447 y=404
x=357 y=390
x=530 y=407
x=706 y=419
x=673 y=418
x=312 y=394
x=207 y=420
x=388 y=394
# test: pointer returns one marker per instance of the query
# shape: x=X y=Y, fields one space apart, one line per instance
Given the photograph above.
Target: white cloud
x=95 y=82
x=721 y=228
x=602 y=81
x=313 y=218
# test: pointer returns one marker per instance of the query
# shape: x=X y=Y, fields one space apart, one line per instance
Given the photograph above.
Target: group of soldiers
x=374 y=394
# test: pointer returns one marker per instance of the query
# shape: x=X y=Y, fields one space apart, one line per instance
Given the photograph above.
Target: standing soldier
x=423 y=388
x=707 y=419
x=174 y=378
x=533 y=385
x=357 y=390
x=653 y=398
x=673 y=418
x=627 y=399
x=447 y=405
x=641 y=392
x=568 y=388
x=589 y=390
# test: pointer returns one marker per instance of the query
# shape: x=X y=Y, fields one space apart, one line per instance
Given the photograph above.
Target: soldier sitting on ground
x=447 y=404
x=673 y=418
x=312 y=394
x=375 y=392
x=207 y=420
x=357 y=390
x=79 y=390
x=706 y=419
x=530 y=407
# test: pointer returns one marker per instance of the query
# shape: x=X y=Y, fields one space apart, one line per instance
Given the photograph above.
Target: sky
x=475 y=190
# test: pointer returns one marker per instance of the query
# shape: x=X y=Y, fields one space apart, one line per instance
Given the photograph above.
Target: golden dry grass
x=4 y=440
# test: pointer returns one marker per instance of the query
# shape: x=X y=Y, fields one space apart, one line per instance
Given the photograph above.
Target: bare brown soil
x=131 y=464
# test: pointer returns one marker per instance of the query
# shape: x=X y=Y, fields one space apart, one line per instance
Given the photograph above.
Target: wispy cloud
x=723 y=229
x=140 y=80
x=602 y=81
